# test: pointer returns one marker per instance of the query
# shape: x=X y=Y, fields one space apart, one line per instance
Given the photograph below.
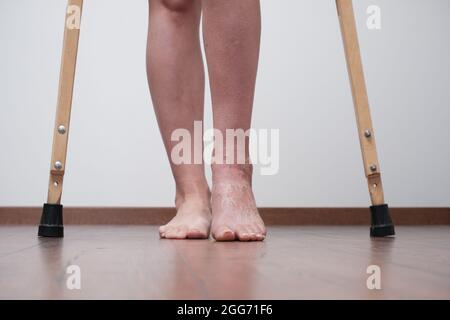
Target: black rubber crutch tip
x=382 y=225
x=51 y=224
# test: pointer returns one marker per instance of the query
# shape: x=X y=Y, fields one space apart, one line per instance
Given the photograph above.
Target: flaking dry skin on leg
x=235 y=216
x=231 y=32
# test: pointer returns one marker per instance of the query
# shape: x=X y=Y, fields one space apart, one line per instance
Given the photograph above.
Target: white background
x=116 y=155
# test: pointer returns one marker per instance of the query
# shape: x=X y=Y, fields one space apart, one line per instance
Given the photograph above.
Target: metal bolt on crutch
x=51 y=224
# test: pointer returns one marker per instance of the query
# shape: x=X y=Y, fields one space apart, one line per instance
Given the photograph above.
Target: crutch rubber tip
x=382 y=225
x=51 y=224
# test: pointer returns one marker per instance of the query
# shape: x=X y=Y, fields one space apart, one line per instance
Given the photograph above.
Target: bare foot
x=235 y=216
x=192 y=221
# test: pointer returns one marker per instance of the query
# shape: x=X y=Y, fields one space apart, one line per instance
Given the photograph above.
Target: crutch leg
x=51 y=224
x=381 y=221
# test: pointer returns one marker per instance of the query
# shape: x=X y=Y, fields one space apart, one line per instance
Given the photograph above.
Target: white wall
x=116 y=156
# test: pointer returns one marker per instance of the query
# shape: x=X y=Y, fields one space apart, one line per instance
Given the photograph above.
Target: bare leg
x=176 y=80
x=231 y=30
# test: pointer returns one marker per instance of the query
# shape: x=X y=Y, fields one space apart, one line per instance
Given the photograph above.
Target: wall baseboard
x=272 y=216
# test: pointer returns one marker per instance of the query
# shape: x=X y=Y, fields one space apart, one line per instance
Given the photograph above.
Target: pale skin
x=231 y=35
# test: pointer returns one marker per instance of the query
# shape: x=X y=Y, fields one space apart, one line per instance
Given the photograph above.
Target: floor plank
x=295 y=262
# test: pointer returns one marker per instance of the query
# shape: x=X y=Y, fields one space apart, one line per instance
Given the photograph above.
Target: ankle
x=232 y=173
x=198 y=193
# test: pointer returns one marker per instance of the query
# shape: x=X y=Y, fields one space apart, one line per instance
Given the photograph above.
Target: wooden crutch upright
x=381 y=223
x=51 y=224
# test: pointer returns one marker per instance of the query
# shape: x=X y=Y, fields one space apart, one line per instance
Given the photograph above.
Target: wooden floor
x=295 y=262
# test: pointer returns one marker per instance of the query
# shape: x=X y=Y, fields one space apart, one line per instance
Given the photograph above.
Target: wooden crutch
x=381 y=223
x=51 y=224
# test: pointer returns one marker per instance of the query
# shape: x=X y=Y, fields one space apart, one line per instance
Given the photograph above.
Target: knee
x=178 y=5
